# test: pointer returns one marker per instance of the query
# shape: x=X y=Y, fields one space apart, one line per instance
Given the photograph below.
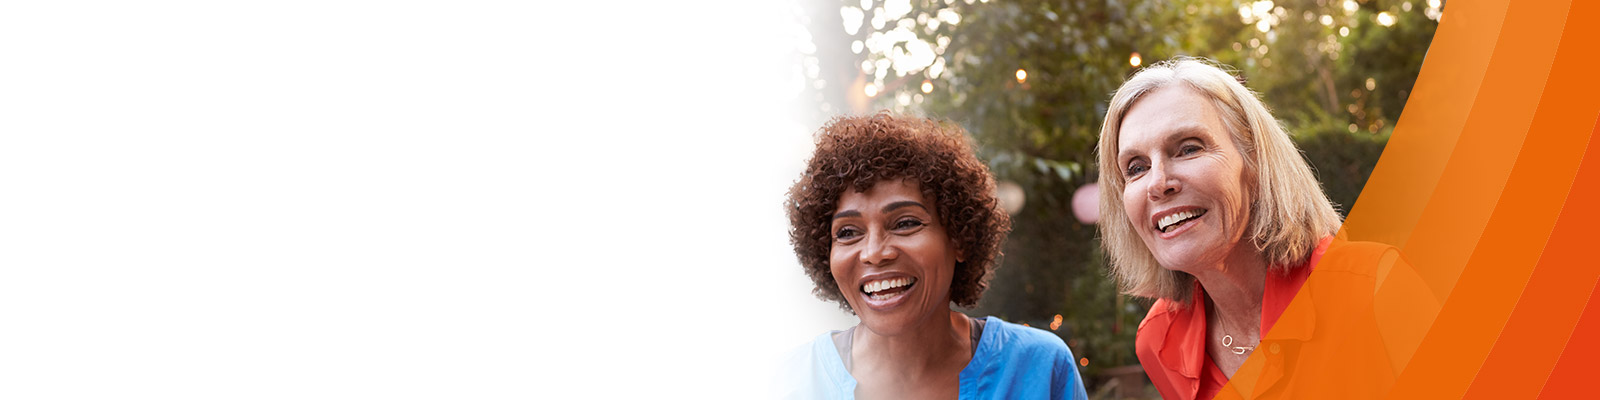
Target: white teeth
x=1170 y=220
x=886 y=284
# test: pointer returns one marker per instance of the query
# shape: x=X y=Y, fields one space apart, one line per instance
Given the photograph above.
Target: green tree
x=1030 y=80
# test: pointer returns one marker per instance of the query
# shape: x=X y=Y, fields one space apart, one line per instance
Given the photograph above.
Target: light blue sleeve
x=813 y=371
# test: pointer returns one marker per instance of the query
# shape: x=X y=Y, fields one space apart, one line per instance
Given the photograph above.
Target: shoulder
x=1167 y=320
x=1013 y=337
x=1015 y=361
x=1161 y=314
x=1164 y=344
x=1357 y=258
x=812 y=371
x=812 y=358
x=1009 y=343
x=1158 y=320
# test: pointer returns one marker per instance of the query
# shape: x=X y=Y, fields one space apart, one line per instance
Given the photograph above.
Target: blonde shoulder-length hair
x=1289 y=211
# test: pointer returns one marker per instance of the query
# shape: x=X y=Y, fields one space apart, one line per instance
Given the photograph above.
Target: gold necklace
x=1227 y=342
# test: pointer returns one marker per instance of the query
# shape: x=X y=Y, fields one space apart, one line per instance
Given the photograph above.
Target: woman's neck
x=934 y=347
x=1235 y=288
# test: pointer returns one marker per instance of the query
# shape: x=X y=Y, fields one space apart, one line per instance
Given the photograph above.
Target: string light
x=1022 y=76
x=871 y=90
x=1385 y=19
x=1055 y=323
x=927 y=86
x=1134 y=60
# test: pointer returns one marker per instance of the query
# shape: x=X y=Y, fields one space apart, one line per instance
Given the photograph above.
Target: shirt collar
x=1185 y=347
x=1281 y=289
x=1190 y=339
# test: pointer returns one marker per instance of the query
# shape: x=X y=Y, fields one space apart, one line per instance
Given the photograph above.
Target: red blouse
x=1171 y=341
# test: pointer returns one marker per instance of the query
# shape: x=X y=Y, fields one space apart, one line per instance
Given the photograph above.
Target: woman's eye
x=846 y=233
x=1190 y=147
x=1135 y=169
x=907 y=224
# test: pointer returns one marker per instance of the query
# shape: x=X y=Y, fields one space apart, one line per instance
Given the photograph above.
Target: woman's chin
x=894 y=323
x=1184 y=256
x=1188 y=265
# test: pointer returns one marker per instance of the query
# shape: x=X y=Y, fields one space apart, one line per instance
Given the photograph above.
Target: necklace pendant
x=1227 y=343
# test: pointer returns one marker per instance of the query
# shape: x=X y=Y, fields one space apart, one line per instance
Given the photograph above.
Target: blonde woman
x=1211 y=210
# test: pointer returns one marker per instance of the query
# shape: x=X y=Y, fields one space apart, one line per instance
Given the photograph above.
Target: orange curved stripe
x=1485 y=274
x=1552 y=300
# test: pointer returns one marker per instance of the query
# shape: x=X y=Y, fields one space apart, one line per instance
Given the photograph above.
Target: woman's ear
x=961 y=253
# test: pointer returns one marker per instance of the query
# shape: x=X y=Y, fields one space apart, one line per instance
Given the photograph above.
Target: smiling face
x=891 y=258
x=1186 y=194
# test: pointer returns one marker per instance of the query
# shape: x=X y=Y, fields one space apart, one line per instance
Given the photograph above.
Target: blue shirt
x=1010 y=362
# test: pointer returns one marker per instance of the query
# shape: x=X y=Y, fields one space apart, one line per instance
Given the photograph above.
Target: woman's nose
x=1162 y=183
x=880 y=250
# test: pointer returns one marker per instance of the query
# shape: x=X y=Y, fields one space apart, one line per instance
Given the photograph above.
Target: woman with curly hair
x=896 y=219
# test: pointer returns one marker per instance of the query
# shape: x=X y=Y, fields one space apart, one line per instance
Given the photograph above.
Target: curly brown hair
x=856 y=153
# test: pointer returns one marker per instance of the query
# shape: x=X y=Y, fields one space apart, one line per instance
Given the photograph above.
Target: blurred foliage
x=1335 y=72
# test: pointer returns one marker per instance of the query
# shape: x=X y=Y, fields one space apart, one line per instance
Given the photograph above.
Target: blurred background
x=1030 y=81
x=500 y=199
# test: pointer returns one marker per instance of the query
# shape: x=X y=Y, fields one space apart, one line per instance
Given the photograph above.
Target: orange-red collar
x=1184 y=345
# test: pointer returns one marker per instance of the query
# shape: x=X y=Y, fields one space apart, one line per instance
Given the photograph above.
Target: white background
x=398 y=199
